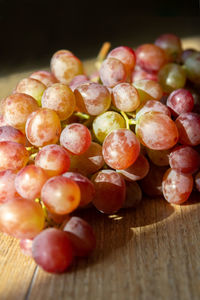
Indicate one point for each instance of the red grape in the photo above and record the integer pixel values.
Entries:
(152, 105)
(148, 89)
(171, 44)
(180, 101)
(197, 181)
(7, 186)
(9, 133)
(78, 80)
(45, 77)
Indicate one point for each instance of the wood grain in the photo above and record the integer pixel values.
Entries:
(147, 253)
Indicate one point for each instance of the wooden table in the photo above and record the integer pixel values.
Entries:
(152, 252)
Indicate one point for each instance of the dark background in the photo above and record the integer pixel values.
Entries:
(31, 31)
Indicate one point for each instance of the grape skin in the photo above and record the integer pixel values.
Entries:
(9, 133)
(148, 90)
(171, 44)
(180, 101)
(197, 181)
(7, 186)
(152, 105)
(45, 77)
(125, 97)
(159, 157)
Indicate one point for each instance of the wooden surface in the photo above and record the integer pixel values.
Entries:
(152, 252)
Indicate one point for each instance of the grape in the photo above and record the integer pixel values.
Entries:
(52, 250)
(186, 53)
(17, 108)
(126, 55)
(188, 125)
(180, 101)
(133, 195)
(78, 80)
(75, 138)
(60, 195)
(29, 182)
(152, 183)
(192, 66)
(21, 218)
(156, 131)
(86, 187)
(53, 159)
(125, 97)
(171, 77)
(159, 157)
(197, 181)
(140, 74)
(107, 122)
(110, 191)
(171, 44)
(31, 87)
(9, 133)
(26, 246)
(152, 105)
(148, 89)
(184, 159)
(2, 121)
(89, 162)
(138, 170)
(150, 57)
(92, 98)
(65, 66)
(81, 236)
(120, 149)
(7, 186)
(112, 72)
(14, 156)
(176, 186)
(45, 77)
(61, 99)
(43, 127)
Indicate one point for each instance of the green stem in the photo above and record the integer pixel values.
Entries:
(126, 119)
(82, 115)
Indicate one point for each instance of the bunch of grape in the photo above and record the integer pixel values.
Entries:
(69, 141)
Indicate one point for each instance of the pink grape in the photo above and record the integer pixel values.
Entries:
(75, 138)
(92, 98)
(45, 77)
(78, 80)
(180, 101)
(86, 187)
(53, 159)
(60, 195)
(171, 44)
(176, 186)
(184, 159)
(152, 105)
(157, 131)
(43, 127)
(7, 186)
(120, 149)
(140, 74)
(26, 246)
(21, 218)
(14, 156)
(148, 90)
(52, 250)
(29, 182)
(81, 235)
(188, 125)
(9, 133)
(110, 191)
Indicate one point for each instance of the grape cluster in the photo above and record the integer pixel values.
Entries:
(69, 141)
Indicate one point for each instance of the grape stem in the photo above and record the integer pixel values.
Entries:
(127, 120)
(82, 115)
(102, 54)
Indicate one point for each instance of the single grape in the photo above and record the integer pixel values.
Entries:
(180, 101)
(31, 87)
(81, 236)
(148, 90)
(7, 186)
(138, 170)
(120, 149)
(11, 134)
(107, 122)
(43, 127)
(125, 97)
(176, 186)
(159, 157)
(29, 182)
(133, 195)
(14, 156)
(192, 66)
(197, 181)
(52, 250)
(126, 55)
(112, 72)
(184, 159)
(21, 218)
(65, 66)
(140, 74)
(17, 108)
(150, 57)
(45, 77)
(152, 105)
(26, 246)
(60, 195)
(156, 131)
(110, 191)
(171, 44)
(86, 187)
(53, 159)
(171, 77)
(61, 99)
(78, 80)
(89, 162)
(75, 138)
(92, 98)
(186, 53)
(188, 125)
